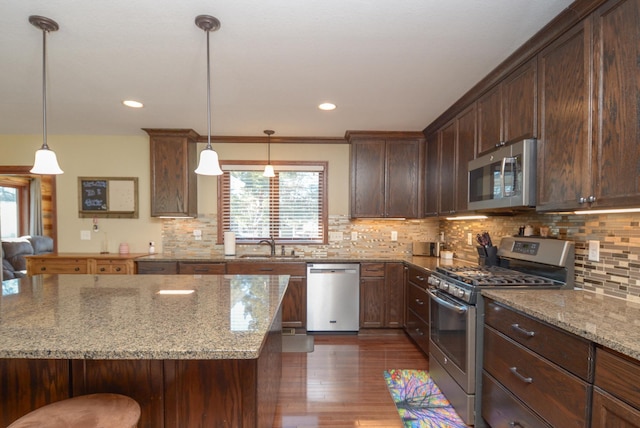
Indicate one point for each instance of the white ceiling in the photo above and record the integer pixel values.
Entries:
(388, 64)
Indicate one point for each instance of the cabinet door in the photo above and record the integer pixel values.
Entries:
(372, 291)
(519, 101)
(616, 35)
(394, 291)
(466, 150)
(173, 180)
(432, 176)
(294, 304)
(490, 120)
(564, 170)
(402, 189)
(367, 178)
(609, 412)
(447, 169)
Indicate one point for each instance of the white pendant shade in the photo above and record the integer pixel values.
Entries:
(208, 164)
(46, 162)
(268, 171)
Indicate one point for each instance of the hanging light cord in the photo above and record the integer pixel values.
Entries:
(208, 95)
(44, 88)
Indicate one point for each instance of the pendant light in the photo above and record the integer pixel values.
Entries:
(268, 170)
(46, 161)
(209, 164)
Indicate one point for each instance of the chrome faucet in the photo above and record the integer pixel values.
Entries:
(272, 244)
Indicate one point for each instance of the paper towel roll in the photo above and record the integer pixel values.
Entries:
(229, 244)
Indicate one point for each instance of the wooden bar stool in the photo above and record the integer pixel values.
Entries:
(84, 411)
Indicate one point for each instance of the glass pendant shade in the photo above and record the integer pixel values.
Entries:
(46, 162)
(209, 164)
(268, 171)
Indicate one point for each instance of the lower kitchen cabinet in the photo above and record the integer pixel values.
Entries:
(417, 307)
(147, 267)
(616, 395)
(201, 268)
(294, 302)
(381, 295)
(534, 371)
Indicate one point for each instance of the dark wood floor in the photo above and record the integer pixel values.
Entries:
(341, 383)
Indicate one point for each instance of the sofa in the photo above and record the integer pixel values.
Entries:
(14, 250)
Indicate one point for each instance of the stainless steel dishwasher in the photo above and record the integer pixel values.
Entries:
(333, 297)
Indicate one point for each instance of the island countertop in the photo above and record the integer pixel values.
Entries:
(608, 321)
(125, 317)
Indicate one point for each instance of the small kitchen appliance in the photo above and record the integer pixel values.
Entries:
(457, 311)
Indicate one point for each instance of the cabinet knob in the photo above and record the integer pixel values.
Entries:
(582, 200)
(102, 269)
(118, 269)
(43, 268)
(76, 269)
(591, 199)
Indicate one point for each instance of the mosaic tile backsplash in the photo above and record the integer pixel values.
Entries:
(616, 274)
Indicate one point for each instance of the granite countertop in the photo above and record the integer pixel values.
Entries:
(608, 321)
(124, 317)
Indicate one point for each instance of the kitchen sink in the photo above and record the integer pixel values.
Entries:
(267, 257)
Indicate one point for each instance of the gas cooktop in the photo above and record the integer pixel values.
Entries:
(485, 276)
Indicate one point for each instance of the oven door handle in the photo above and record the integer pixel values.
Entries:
(461, 309)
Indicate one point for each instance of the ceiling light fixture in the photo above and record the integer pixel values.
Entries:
(327, 106)
(133, 103)
(209, 164)
(268, 170)
(46, 161)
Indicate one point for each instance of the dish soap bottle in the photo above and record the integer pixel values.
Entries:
(152, 248)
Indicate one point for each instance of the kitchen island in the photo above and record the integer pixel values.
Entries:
(205, 354)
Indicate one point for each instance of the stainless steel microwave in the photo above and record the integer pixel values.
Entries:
(505, 178)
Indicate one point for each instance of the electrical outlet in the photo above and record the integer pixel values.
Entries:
(441, 236)
(469, 239)
(85, 235)
(335, 236)
(197, 234)
(594, 251)
(394, 235)
(354, 236)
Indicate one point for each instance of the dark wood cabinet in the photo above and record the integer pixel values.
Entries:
(174, 157)
(507, 112)
(447, 169)
(417, 307)
(386, 174)
(148, 267)
(432, 175)
(534, 364)
(465, 151)
(381, 295)
(201, 268)
(564, 170)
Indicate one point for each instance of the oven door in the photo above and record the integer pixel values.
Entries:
(452, 338)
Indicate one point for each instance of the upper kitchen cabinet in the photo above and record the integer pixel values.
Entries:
(173, 180)
(448, 154)
(564, 147)
(507, 112)
(386, 174)
(582, 167)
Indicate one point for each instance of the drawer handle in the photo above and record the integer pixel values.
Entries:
(420, 278)
(201, 270)
(517, 327)
(76, 269)
(266, 269)
(514, 370)
(43, 268)
(419, 332)
(101, 269)
(118, 269)
(515, 424)
(420, 302)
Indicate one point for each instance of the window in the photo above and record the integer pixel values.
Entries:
(290, 207)
(14, 206)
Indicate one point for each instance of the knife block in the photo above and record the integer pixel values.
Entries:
(487, 256)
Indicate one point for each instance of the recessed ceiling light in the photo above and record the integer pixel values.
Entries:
(133, 104)
(327, 106)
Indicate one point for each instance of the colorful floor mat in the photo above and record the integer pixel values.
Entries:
(419, 400)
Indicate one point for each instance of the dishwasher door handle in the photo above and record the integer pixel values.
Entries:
(330, 271)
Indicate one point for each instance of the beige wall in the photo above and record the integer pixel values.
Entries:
(128, 156)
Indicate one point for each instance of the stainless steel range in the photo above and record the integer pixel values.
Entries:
(457, 311)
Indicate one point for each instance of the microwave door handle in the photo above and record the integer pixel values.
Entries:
(502, 180)
(512, 162)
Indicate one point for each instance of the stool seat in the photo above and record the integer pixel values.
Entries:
(84, 411)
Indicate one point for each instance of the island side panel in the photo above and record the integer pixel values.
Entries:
(29, 384)
(141, 380)
(270, 375)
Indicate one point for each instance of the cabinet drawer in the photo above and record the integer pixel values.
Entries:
(116, 267)
(157, 268)
(555, 394)
(418, 330)
(563, 348)
(418, 301)
(59, 266)
(201, 268)
(418, 277)
(258, 268)
(501, 409)
(372, 269)
(619, 376)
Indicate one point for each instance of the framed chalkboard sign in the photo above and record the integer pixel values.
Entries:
(109, 197)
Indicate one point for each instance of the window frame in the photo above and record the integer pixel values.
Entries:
(324, 217)
(22, 186)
